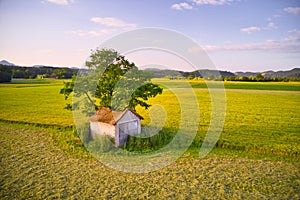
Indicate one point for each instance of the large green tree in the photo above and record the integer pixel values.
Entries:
(111, 81)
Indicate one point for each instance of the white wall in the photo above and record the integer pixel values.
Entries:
(98, 128)
(128, 123)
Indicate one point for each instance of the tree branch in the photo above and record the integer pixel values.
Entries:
(88, 96)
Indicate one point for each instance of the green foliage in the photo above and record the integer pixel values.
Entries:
(219, 75)
(119, 83)
(67, 90)
(38, 72)
(84, 133)
(257, 78)
(148, 144)
(100, 144)
(5, 77)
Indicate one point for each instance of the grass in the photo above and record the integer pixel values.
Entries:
(34, 103)
(33, 168)
(264, 122)
(268, 124)
(257, 155)
(36, 81)
(287, 86)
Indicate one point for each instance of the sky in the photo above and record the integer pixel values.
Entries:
(237, 35)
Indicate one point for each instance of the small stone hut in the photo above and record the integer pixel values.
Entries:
(117, 125)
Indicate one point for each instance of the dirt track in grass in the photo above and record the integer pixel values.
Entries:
(33, 167)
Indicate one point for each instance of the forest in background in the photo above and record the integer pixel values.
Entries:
(9, 72)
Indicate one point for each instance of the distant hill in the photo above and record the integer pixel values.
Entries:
(159, 73)
(5, 62)
(294, 73)
(66, 72)
(246, 73)
(208, 72)
(38, 66)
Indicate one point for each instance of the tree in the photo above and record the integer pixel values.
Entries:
(259, 77)
(5, 77)
(119, 83)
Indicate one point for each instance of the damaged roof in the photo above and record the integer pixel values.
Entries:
(106, 115)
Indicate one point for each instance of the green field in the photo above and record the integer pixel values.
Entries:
(38, 103)
(292, 86)
(257, 155)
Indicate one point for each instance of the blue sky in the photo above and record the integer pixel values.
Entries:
(238, 35)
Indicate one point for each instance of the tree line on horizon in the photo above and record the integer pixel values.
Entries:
(7, 73)
(10, 72)
(258, 78)
(218, 75)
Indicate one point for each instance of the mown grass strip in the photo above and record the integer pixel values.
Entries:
(33, 168)
(52, 126)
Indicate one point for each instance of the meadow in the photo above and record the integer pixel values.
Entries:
(36, 102)
(289, 86)
(256, 157)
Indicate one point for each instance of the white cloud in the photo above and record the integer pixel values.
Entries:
(187, 6)
(290, 44)
(61, 2)
(291, 38)
(212, 2)
(270, 26)
(293, 10)
(112, 22)
(181, 6)
(250, 29)
(294, 36)
(92, 33)
(273, 17)
(295, 31)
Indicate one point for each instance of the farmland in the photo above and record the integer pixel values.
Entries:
(37, 102)
(257, 155)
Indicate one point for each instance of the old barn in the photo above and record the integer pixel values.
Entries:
(114, 124)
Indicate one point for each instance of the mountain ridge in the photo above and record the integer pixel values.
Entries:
(159, 73)
(7, 63)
